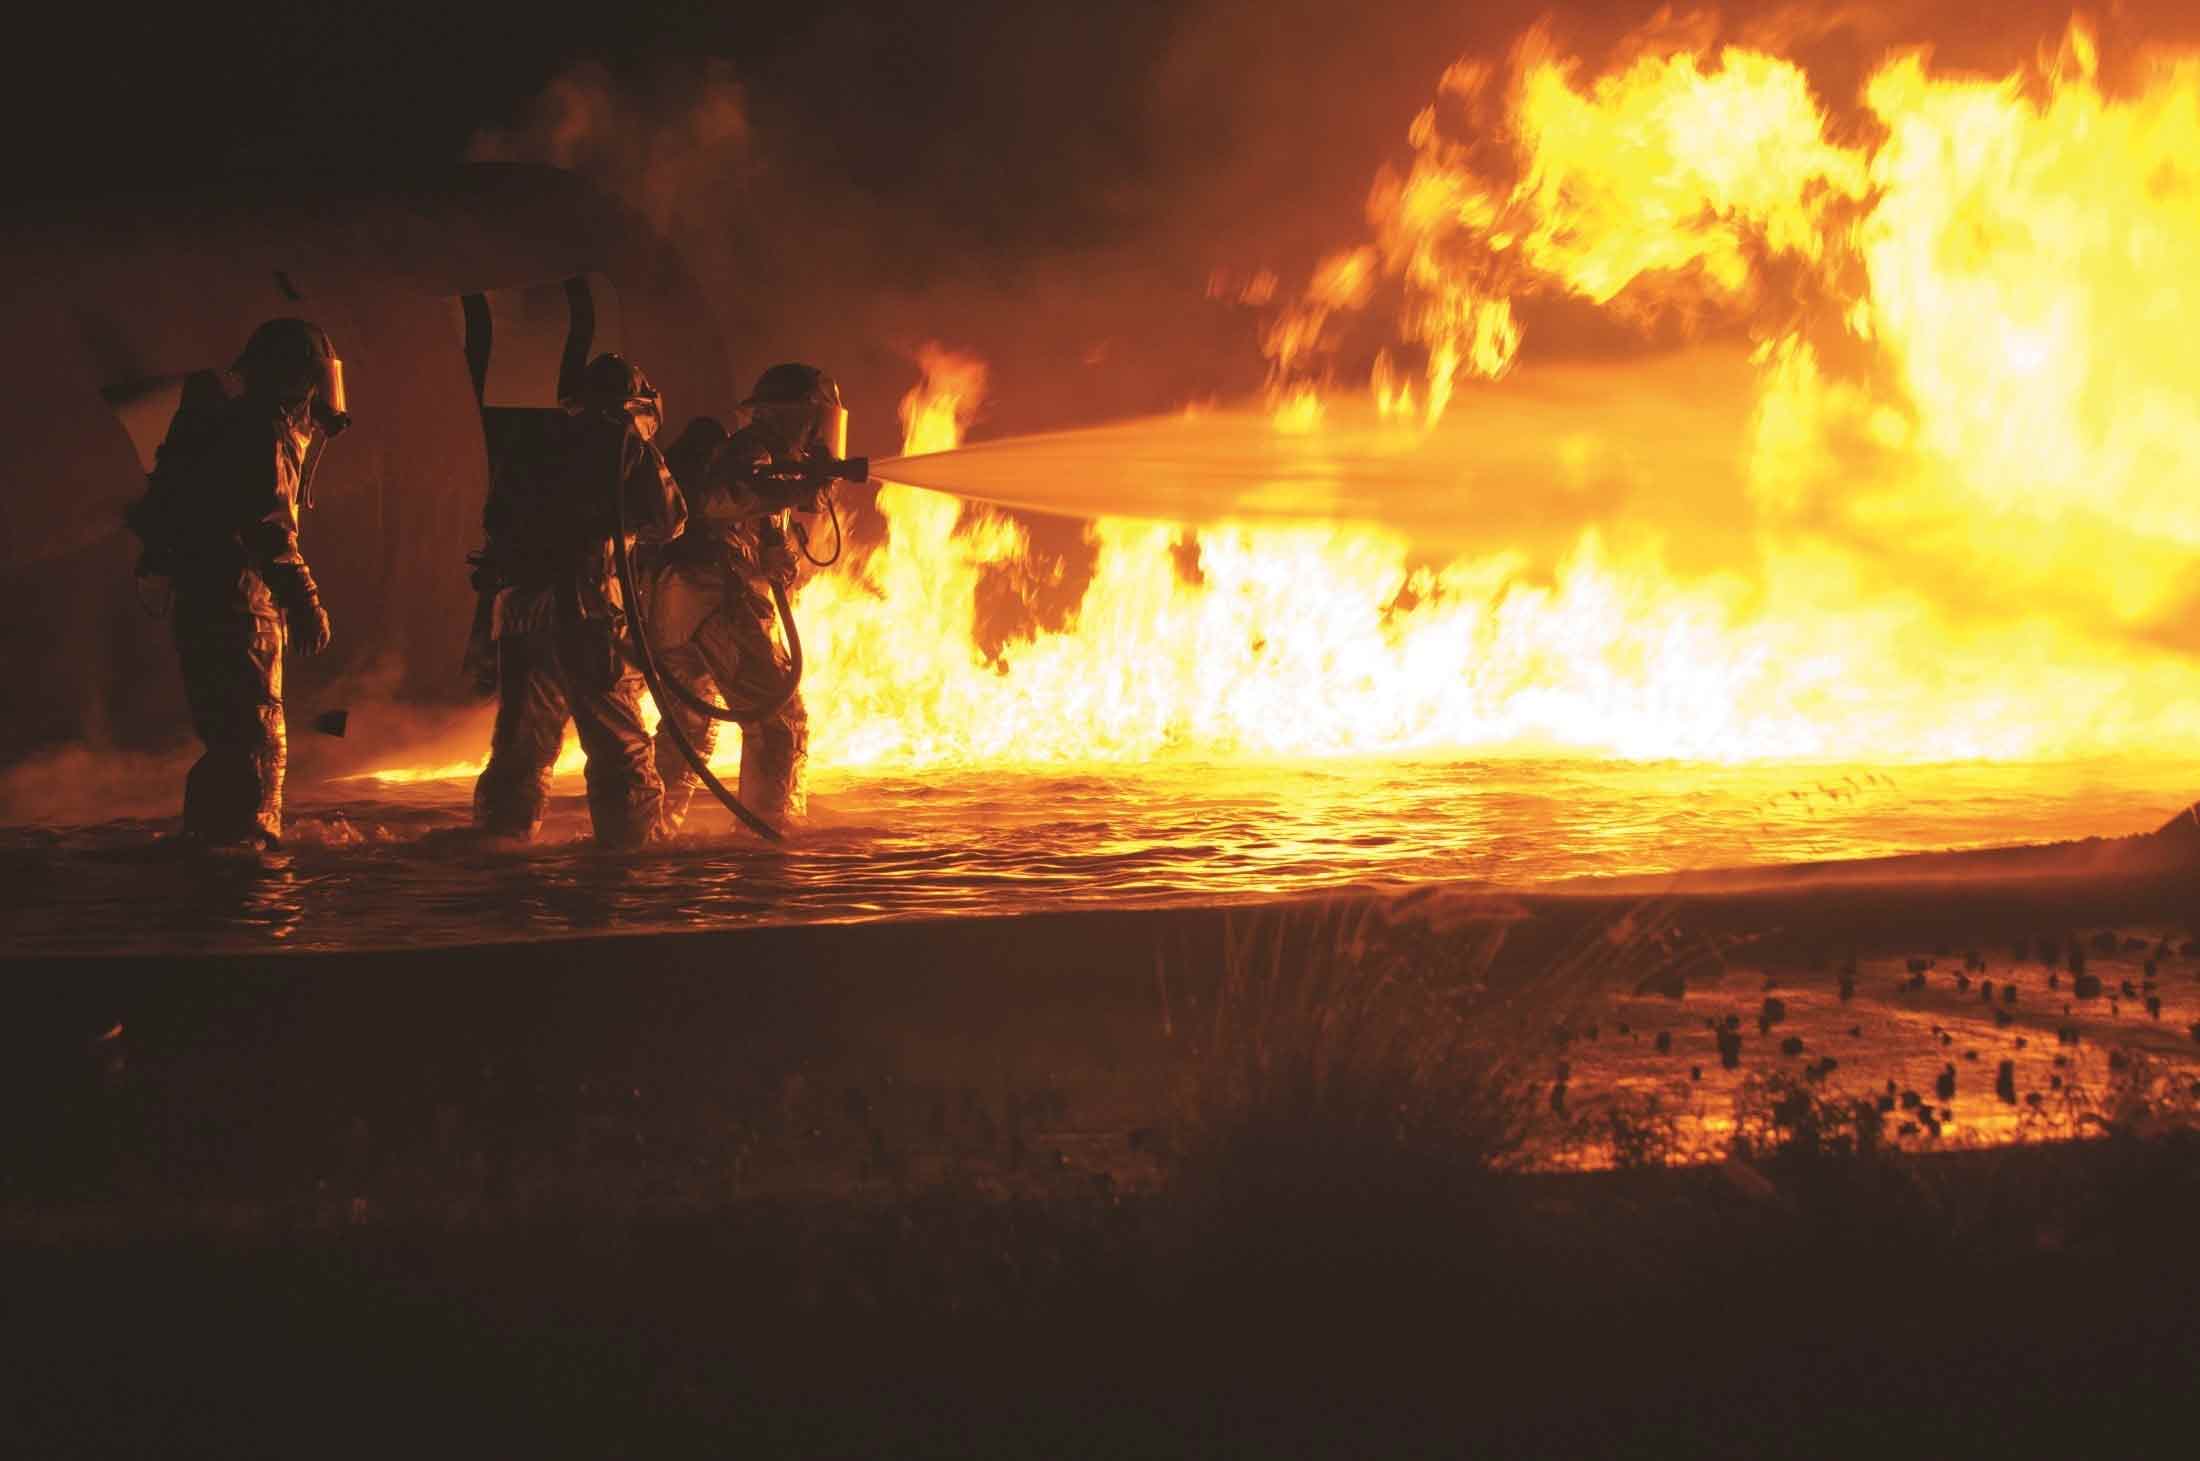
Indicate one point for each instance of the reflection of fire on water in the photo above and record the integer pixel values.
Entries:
(1959, 517)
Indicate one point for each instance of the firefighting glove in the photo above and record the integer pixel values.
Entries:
(309, 625)
(776, 560)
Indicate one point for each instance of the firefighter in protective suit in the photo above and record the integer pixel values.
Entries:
(560, 623)
(711, 610)
(220, 521)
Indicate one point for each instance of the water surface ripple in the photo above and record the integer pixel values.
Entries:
(375, 866)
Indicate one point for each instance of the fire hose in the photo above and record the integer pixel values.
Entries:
(667, 688)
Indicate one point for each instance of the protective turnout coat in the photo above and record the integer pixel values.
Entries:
(220, 514)
(560, 626)
(711, 616)
(220, 521)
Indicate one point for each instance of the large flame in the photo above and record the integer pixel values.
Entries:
(1965, 471)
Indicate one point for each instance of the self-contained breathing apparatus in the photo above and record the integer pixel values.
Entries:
(801, 407)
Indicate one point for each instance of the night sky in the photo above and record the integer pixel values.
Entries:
(180, 93)
(183, 93)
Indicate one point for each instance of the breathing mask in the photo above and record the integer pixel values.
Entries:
(804, 406)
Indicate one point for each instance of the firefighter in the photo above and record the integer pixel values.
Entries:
(220, 521)
(711, 606)
(559, 620)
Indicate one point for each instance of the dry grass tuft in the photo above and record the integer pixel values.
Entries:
(1346, 1112)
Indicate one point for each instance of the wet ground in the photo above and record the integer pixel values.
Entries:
(371, 865)
(1952, 1046)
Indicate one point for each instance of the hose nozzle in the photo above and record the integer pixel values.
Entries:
(802, 483)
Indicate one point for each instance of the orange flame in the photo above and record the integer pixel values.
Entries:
(1963, 472)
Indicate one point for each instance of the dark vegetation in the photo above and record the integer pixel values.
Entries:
(1816, 1297)
(1336, 1246)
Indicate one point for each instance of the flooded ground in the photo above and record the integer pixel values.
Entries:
(371, 865)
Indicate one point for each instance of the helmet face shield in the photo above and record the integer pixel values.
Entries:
(292, 359)
(331, 409)
(801, 406)
(790, 424)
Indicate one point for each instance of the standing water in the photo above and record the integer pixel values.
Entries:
(382, 866)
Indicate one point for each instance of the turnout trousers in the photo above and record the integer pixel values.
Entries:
(713, 631)
(569, 671)
(233, 680)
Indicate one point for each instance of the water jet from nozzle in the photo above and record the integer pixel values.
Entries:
(1522, 463)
